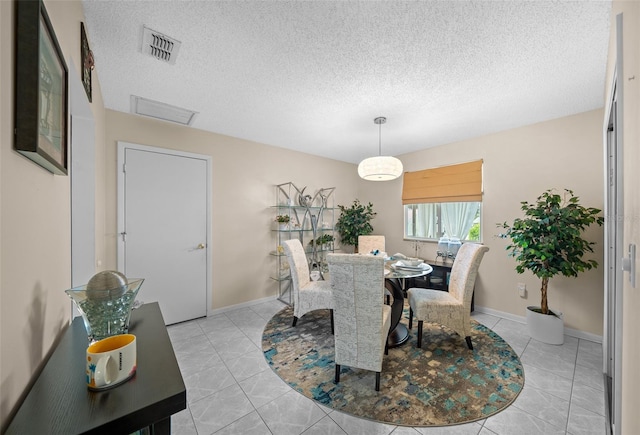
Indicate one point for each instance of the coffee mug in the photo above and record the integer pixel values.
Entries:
(111, 361)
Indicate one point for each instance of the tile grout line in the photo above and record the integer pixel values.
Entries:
(573, 382)
(289, 388)
(237, 383)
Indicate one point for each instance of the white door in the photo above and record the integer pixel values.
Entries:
(163, 227)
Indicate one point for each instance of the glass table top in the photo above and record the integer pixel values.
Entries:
(393, 271)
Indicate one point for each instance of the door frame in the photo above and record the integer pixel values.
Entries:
(614, 242)
(122, 147)
(82, 185)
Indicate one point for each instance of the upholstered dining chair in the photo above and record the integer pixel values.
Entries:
(307, 295)
(451, 309)
(367, 244)
(362, 320)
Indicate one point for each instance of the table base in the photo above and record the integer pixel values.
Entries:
(398, 336)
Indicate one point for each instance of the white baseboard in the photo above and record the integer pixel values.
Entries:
(584, 335)
(522, 319)
(501, 314)
(213, 312)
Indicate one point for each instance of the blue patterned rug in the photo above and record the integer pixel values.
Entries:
(444, 383)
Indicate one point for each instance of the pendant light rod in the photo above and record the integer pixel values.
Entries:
(380, 120)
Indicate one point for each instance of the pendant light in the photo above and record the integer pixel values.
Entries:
(380, 168)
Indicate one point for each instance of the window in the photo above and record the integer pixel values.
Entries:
(445, 200)
(433, 220)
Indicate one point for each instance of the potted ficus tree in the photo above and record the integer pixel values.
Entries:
(548, 241)
(354, 221)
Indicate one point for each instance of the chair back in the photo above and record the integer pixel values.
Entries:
(465, 270)
(357, 282)
(298, 266)
(366, 244)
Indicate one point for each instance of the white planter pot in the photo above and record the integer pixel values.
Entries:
(544, 327)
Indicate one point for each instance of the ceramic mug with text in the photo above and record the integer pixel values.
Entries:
(111, 361)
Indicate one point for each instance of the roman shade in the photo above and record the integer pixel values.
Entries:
(453, 183)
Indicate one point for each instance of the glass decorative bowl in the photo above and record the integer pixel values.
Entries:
(106, 311)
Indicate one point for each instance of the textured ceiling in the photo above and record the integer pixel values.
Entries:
(312, 75)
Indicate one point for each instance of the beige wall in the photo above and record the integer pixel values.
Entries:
(244, 178)
(35, 226)
(631, 115)
(519, 165)
(35, 221)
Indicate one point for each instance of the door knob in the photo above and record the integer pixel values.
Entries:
(201, 246)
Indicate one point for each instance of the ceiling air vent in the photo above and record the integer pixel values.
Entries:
(158, 110)
(160, 46)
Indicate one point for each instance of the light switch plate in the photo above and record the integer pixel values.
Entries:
(522, 290)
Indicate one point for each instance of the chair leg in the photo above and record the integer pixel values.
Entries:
(377, 381)
(386, 347)
(420, 334)
(388, 300)
(295, 320)
(410, 318)
(468, 339)
(337, 378)
(332, 326)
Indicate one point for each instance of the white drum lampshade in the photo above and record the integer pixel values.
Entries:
(380, 168)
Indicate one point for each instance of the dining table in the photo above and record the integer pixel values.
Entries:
(395, 275)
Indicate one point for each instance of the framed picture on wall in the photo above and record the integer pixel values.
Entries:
(87, 61)
(41, 100)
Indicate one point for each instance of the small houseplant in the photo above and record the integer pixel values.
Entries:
(322, 240)
(354, 221)
(548, 241)
(283, 221)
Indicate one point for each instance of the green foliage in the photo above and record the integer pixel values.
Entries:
(354, 221)
(548, 240)
(474, 232)
(323, 239)
(283, 218)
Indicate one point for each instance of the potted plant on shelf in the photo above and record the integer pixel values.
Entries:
(548, 241)
(283, 221)
(354, 221)
(322, 242)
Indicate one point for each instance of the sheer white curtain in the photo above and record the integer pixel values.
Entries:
(457, 218)
(426, 219)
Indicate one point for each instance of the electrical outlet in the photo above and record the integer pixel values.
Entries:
(522, 290)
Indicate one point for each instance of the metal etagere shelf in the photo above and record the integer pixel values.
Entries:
(312, 221)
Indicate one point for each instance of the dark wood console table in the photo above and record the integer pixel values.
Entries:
(60, 402)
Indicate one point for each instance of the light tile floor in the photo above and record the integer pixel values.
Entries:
(232, 390)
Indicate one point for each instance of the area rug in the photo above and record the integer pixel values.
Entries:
(444, 383)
